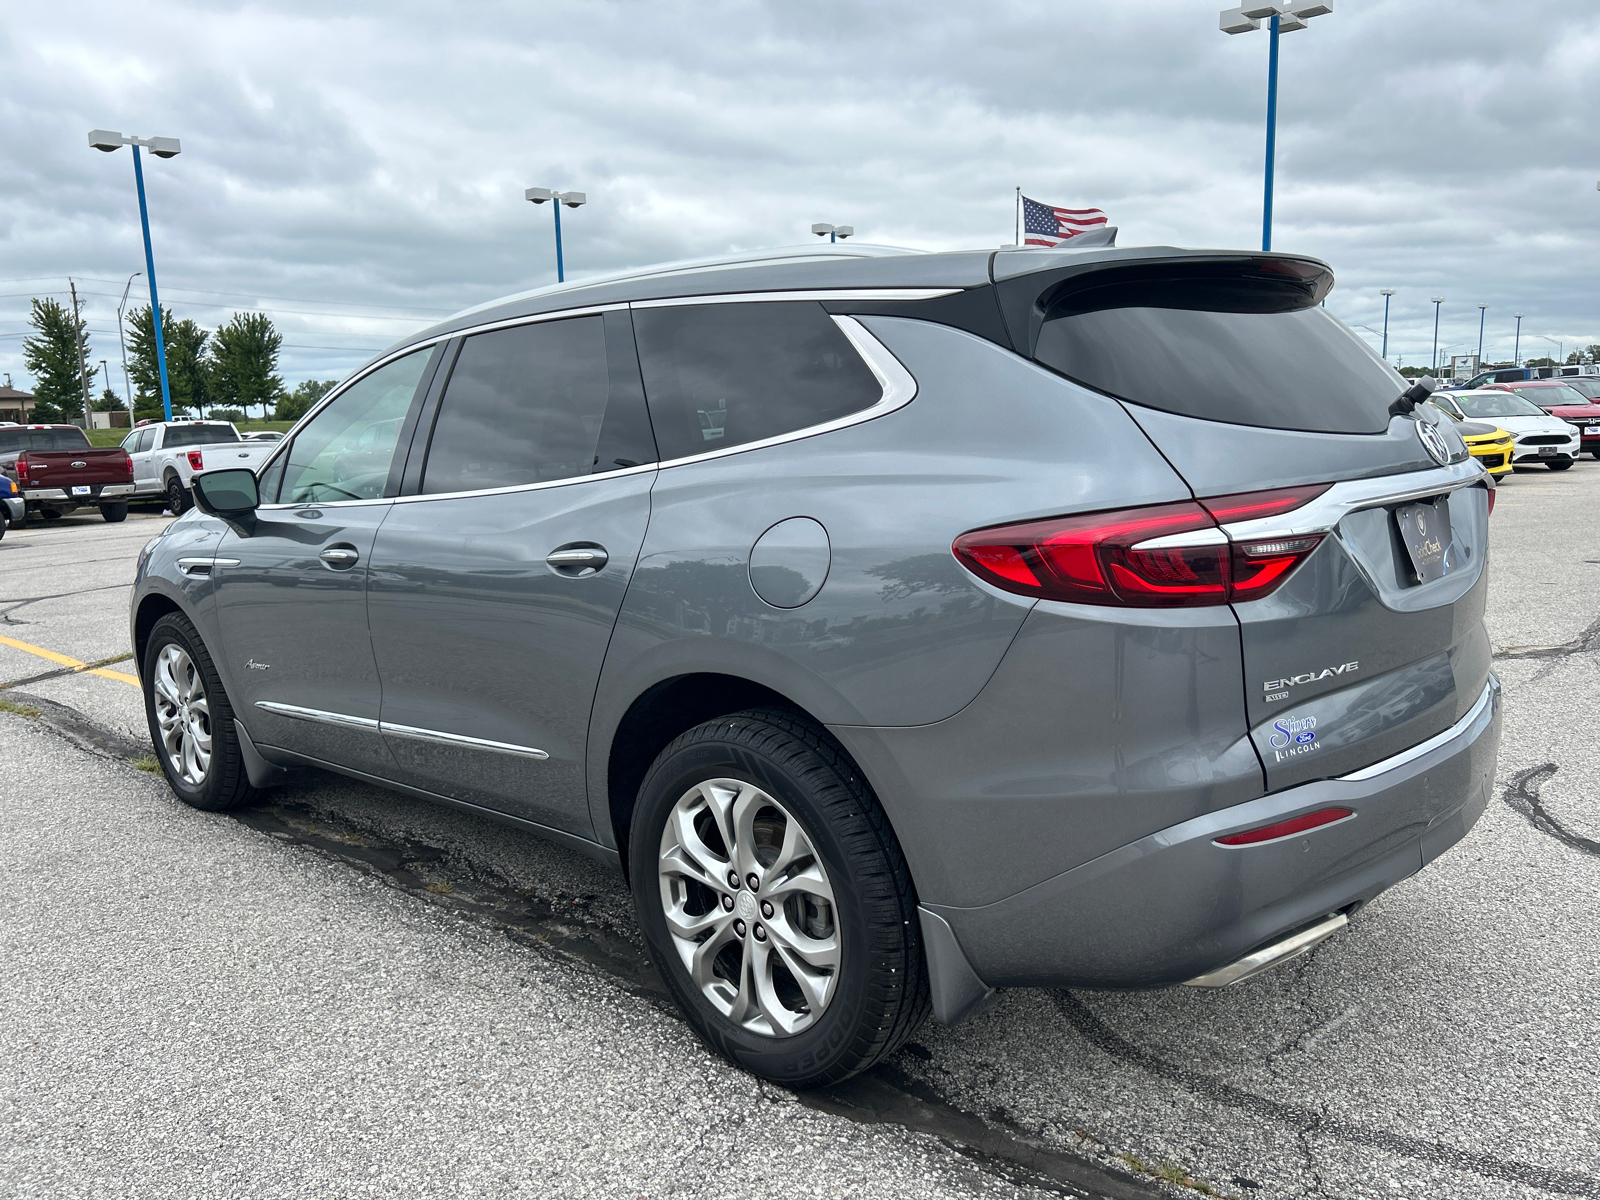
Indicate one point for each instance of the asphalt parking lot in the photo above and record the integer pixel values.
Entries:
(351, 993)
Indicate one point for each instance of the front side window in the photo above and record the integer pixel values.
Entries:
(523, 405)
(720, 375)
(345, 451)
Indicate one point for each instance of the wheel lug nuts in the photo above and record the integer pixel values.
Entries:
(738, 927)
(727, 903)
(753, 881)
(761, 934)
(733, 880)
(766, 909)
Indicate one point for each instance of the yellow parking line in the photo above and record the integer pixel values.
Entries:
(63, 660)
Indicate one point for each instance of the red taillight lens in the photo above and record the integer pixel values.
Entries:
(1283, 829)
(195, 460)
(1118, 558)
(127, 463)
(22, 469)
(1491, 498)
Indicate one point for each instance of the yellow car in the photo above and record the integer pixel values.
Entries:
(1487, 443)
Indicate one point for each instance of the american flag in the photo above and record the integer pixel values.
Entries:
(1047, 225)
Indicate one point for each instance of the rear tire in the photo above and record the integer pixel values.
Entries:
(842, 910)
(191, 720)
(114, 512)
(1555, 465)
(177, 496)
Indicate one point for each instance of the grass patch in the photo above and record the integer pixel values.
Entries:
(1133, 1161)
(20, 710)
(443, 888)
(1171, 1172)
(148, 763)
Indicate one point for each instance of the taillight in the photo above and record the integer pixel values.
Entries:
(127, 463)
(1165, 556)
(195, 460)
(1491, 498)
(1283, 829)
(22, 469)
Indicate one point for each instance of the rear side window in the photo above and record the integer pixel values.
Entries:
(523, 405)
(720, 375)
(1225, 342)
(42, 439)
(198, 435)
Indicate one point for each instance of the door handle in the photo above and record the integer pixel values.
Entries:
(340, 558)
(577, 561)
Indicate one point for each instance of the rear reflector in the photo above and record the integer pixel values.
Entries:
(1164, 556)
(1283, 829)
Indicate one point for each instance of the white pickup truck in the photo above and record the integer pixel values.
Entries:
(167, 454)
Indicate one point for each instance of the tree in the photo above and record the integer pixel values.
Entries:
(304, 397)
(188, 378)
(244, 362)
(108, 401)
(52, 356)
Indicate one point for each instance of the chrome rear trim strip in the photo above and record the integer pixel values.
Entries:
(1352, 495)
(456, 739)
(316, 715)
(1433, 743)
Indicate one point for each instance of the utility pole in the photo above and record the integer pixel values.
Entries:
(77, 329)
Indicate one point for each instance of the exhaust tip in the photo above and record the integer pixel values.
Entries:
(1267, 957)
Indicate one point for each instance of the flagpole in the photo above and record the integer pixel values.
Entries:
(1018, 234)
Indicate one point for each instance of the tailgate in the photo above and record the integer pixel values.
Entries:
(78, 468)
(219, 455)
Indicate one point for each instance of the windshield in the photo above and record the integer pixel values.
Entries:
(1243, 344)
(1551, 396)
(198, 435)
(42, 439)
(1497, 404)
(1588, 387)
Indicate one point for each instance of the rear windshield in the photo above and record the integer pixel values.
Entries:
(198, 435)
(42, 439)
(1243, 343)
(1550, 396)
(1497, 404)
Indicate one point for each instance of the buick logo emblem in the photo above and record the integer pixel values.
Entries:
(1422, 523)
(1433, 442)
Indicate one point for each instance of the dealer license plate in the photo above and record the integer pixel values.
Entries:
(1425, 529)
(1591, 431)
(1547, 451)
(81, 491)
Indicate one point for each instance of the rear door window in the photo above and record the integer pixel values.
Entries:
(1224, 342)
(721, 375)
(523, 405)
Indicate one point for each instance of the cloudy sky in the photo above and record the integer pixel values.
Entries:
(359, 175)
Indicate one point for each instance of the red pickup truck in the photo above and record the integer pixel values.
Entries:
(57, 471)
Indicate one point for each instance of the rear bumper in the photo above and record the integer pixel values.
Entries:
(1175, 905)
(96, 493)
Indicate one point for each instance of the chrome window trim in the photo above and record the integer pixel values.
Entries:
(1352, 495)
(325, 504)
(316, 715)
(898, 384)
(415, 733)
(810, 294)
(641, 469)
(1461, 727)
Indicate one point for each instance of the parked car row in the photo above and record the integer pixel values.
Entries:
(1544, 422)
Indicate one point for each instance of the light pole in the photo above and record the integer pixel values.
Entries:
(162, 147)
(1561, 349)
(1516, 346)
(1483, 311)
(571, 200)
(834, 232)
(1386, 293)
(1286, 18)
(127, 388)
(1437, 301)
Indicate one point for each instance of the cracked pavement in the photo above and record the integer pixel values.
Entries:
(224, 1011)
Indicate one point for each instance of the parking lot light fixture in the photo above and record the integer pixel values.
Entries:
(1284, 18)
(1561, 348)
(1386, 293)
(1437, 301)
(834, 233)
(1516, 347)
(539, 195)
(162, 147)
(1483, 310)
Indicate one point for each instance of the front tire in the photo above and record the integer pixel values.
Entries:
(114, 512)
(775, 900)
(191, 720)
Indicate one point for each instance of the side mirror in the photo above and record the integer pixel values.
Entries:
(228, 493)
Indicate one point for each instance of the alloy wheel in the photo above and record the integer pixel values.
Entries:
(183, 714)
(749, 907)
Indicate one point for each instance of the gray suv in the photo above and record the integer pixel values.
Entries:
(903, 626)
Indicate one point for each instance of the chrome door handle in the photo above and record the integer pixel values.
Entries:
(577, 560)
(340, 557)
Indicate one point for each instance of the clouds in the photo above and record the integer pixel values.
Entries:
(378, 156)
